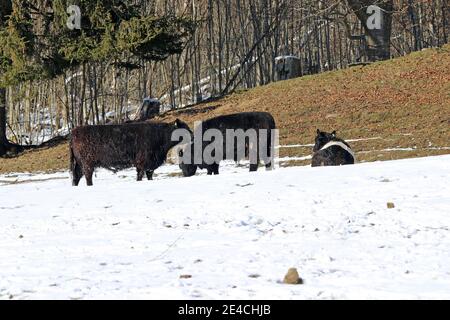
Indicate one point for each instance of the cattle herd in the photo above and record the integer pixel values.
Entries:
(145, 145)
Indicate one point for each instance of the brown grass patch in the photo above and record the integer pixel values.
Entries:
(44, 160)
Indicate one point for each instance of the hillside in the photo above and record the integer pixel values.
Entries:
(394, 109)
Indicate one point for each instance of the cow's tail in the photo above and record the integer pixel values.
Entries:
(73, 160)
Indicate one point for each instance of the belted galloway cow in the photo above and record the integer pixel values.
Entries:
(329, 150)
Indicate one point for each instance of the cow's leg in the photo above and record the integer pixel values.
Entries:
(213, 169)
(88, 172)
(254, 166)
(253, 153)
(140, 165)
(270, 164)
(77, 174)
(140, 174)
(149, 174)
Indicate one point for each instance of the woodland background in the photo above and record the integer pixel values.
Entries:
(181, 52)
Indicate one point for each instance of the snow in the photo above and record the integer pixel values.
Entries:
(287, 57)
(151, 100)
(236, 234)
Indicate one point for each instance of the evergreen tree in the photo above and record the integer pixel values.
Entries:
(38, 44)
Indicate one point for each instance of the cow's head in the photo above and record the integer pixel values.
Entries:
(178, 124)
(186, 162)
(322, 139)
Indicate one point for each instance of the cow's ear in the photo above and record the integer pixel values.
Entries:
(178, 123)
(318, 131)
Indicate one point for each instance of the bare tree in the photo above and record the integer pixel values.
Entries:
(378, 37)
(234, 47)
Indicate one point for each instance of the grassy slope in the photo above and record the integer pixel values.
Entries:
(404, 101)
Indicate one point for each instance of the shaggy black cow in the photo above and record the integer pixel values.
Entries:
(244, 121)
(117, 147)
(330, 150)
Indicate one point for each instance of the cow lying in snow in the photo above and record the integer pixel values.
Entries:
(117, 147)
(330, 150)
(256, 121)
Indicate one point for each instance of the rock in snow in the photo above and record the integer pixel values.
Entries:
(292, 277)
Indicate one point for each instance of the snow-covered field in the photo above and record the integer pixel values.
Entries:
(231, 236)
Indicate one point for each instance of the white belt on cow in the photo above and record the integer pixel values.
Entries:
(340, 144)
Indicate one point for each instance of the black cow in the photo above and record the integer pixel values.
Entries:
(117, 147)
(244, 121)
(329, 150)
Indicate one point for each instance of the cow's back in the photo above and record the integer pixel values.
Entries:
(244, 121)
(116, 146)
(240, 121)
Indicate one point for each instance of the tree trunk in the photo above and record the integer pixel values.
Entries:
(378, 39)
(4, 143)
(415, 27)
(5, 11)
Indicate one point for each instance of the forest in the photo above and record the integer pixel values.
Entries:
(54, 78)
